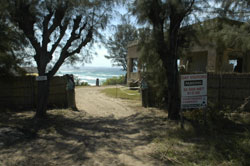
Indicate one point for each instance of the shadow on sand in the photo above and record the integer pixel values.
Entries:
(68, 137)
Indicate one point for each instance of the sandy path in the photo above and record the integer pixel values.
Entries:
(97, 104)
(105, 132)
(128, 144)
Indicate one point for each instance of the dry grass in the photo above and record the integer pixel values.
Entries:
(220, 142)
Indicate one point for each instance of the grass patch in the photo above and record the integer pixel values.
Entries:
(221, 142)
(122, 93)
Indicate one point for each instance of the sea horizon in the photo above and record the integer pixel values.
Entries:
(89, 74)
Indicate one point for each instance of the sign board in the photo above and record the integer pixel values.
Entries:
(193, 91)
(41, 78)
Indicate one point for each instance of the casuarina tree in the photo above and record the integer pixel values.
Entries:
(12, 45)
(58, 30)
(166, 17)
(235, 34)
(117, 44)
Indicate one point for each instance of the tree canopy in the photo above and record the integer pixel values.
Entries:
(117, 44)
(58, 31)
(166, 19)
(12, 45)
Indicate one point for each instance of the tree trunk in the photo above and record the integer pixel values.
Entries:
(42, 100)
(172, 72)
(125, 79)
(168, 55)
(173, 95)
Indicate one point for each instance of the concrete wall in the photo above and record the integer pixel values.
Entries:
(132, 51)
(211, 60)
(21, 92)
(204, 54)
(132, 54)
(197, 62)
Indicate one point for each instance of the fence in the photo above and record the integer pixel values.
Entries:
(228, 89)
(224, 89)
(21, 92)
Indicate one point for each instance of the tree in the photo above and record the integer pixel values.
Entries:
(233, 9)
(11, 54)
(153, 69)
(12, 45)
(235, 35)
(166, 19)
(58, 29)
(117, 44)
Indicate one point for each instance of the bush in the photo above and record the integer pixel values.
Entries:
(79, 83)
(220, 142)
(114, 80)
(84, 84)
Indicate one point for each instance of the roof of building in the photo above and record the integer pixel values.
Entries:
(30, 69)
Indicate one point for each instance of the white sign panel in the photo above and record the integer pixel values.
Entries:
(41, 78)
(193, 91)
(193, 102)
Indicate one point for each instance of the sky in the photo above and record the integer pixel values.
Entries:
(99, 60)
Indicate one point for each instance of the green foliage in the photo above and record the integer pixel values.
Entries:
(233, 9)
(12, 45)
(58, 31)
(114, 81)
(153, 68)
(79, 83)
(84, 84)
(117, 44)
(234, 27)
(61, 28)
(123, 93)
(166, 19)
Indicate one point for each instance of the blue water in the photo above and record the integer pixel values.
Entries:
(90, 74)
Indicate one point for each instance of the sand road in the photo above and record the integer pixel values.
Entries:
(105, 132)
(127, 141)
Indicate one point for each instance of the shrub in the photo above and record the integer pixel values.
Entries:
(79, 83)
(114, 80)
(84, 84)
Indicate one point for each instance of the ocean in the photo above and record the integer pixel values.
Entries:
(90, 74)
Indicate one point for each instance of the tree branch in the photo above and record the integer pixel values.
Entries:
(26, 22)
(64, 54)
(189, 9)
(62, 33)
(84, 43)
(56, 66)
(46, 33)
(73, 35)
(57, 21)
(59, 15)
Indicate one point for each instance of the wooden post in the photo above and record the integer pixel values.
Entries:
(182, 119)
(116, 88)
(205, 115)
